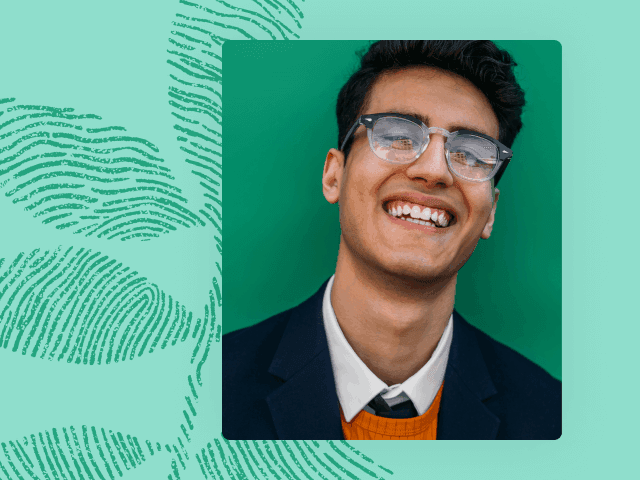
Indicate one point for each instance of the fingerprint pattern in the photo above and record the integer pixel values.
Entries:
(90, 452)
(291, 460)
(84, 452)
(70, 171)
(195, 94)
(81, 306)
(77, 305)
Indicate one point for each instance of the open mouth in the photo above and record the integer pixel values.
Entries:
(419, 214)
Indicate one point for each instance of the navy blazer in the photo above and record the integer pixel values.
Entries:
(277, 384)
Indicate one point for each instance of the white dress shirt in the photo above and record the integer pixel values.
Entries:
(356, 385)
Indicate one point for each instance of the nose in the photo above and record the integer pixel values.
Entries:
(432, 166)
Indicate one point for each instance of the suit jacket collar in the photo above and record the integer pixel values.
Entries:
(467, 385)
(306, 405)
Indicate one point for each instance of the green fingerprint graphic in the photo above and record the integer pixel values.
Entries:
(70, 172)
(84, 452)
(87, 308)
(90, 452)
(83, 307)
(195, 94)
(290, 460)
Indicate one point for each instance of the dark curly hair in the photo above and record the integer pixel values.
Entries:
(479, 61)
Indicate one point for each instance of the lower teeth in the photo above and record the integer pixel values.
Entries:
(421, 222)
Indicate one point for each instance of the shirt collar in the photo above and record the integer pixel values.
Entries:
(356, 385)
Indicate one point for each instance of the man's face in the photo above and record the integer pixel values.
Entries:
(367, 187)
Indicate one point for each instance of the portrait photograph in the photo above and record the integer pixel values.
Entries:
(379, 289)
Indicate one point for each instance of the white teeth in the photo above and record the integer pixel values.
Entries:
(428, 216)
(421, 222)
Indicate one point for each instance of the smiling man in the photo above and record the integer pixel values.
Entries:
(379, 352)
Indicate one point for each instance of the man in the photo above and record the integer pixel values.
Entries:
(378, 352)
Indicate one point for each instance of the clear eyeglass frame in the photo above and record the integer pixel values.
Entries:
(503, 152)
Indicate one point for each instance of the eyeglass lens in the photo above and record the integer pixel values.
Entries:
(398, 140)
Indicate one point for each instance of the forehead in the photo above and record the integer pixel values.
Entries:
(444, 99)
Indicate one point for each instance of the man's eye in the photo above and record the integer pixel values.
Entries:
(485, 162)
(470, 160)
(464, 158)
(401, 143)
(459, 157)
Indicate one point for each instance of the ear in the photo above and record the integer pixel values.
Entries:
(332, 175)
(486, 232)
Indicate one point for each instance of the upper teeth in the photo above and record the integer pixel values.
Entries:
(418, 215)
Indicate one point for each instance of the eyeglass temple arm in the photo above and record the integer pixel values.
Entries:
(355, 125)
(505, 155)
(501, 170)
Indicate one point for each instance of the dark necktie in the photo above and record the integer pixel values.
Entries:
(402, 410)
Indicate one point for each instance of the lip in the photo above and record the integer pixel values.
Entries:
(424, 200)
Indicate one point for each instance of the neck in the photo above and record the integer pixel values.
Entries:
(393, 323)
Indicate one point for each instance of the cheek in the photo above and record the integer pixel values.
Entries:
(479, 204)
(362, 185)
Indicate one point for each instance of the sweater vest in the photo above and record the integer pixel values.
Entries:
(367, 426)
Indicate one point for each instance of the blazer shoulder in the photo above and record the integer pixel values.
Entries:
(246, 356)
(514, 366)
(256, 341)
(530, 399)
(261, 340)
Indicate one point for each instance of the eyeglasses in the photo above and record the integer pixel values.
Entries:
(401, 139)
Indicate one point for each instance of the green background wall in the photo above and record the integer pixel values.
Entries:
(282, 239)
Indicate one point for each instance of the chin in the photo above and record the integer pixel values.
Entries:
(417, 270)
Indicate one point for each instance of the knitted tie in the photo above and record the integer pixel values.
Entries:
(401, 410)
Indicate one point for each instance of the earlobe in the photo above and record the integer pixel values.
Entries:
(332, 175)
(486, 232)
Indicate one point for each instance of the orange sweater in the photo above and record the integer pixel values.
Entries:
(366, 426)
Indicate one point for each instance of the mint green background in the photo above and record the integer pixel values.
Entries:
(109, 58)
(280, 122)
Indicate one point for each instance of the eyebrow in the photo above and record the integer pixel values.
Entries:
(425, 119)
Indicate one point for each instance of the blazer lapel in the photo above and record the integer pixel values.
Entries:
(463, 414)
(306, 405)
